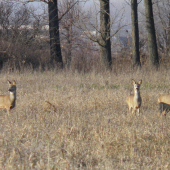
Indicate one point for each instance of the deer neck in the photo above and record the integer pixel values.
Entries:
(12, 96)
(136, 94)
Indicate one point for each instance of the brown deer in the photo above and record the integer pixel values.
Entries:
(8, 101)
(134, 100)
(164, 103)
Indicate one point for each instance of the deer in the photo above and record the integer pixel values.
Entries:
(134, 100)
(8, 101)
(164, 104)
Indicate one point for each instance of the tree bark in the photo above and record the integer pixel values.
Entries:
(152, 44)
(135, 34)
(105, 44)
(55, 48)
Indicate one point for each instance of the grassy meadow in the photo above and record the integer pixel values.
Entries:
(75, 121)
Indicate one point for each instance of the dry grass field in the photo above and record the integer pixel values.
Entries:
(80, 121)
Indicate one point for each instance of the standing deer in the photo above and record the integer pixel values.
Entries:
(134, 100)
(8, 101)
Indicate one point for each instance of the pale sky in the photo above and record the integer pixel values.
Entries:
(117, 3)
(115, 6)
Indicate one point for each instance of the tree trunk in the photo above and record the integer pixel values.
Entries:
(55, 48)
(135, 34)
(105, 44)
(68, 46)
(152, 44)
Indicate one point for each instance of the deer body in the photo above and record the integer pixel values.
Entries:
(8, 101)
(134, 101)
(164, 103)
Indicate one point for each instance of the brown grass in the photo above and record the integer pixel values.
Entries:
(81, 121)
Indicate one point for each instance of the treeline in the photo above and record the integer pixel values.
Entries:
(81, 40)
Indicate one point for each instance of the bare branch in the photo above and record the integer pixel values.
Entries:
(127, 2)
(139, 2)
(67, 10)
(130, 4)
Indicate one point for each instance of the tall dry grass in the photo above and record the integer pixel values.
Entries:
(74, 121)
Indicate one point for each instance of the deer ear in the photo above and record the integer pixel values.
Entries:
(140, 82)
(8, 82)
(14, 82)
(133, 81)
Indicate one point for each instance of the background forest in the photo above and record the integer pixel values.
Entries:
(25, 39)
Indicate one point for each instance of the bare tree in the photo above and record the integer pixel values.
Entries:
(105, 43)
(54, 31)
(6, 10)
(13, 17)
(99, 32)
(163, 25)
(70, 31)
(135, 33)
(55, 48)
(150, 26)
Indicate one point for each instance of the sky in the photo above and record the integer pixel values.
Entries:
(116, 3)
(116, 6)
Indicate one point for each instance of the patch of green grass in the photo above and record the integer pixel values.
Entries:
(148, 86)
(91, 86)
(58, 86)
(96, 86)
(102, 87)
(163, 86)
(81, 85)
(128, 86)
(114, 86)
(155, 86)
